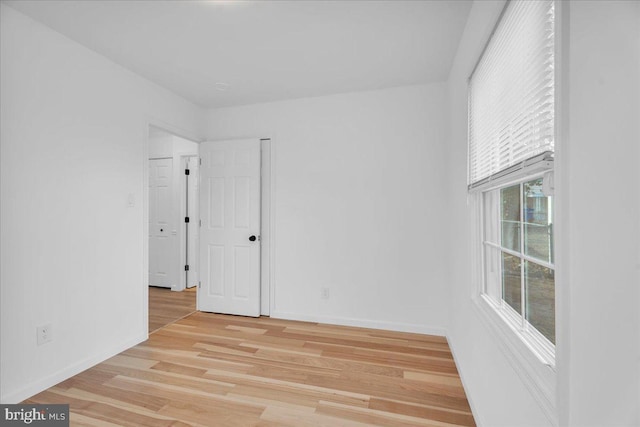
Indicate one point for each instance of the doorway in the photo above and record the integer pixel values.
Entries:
(172, 238)
(160, 137)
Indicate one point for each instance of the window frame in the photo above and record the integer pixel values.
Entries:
(537, 343)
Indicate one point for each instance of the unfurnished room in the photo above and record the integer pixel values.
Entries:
(320, 213)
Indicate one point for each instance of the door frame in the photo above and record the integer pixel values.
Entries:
(267, 194)
(182, 235)
(144, 133)
(267, 227)
(267, 223)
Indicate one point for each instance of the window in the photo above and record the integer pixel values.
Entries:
(511, 151)
(518, 258)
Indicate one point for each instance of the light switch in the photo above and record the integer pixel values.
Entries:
(131, 200)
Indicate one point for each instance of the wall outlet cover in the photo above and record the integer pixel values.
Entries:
(44, 333)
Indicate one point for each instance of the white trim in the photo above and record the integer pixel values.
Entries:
(272, 229)
(37, 386)
(537, 376)
(182, 281)
(470, 397)
(523, 273)
(145, 230)
(534, 340)
(266, 236)
(362, 323)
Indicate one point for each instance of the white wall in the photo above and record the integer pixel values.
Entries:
(168, 145)
(601, 372)
(358, 204)
(597, 272)
(160, 145)
(73, 145)
(174, 147)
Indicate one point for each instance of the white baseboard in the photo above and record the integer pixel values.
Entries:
(363, 323)
(474, 411)
(36, 387)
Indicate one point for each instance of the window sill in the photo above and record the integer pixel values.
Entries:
(535, 368)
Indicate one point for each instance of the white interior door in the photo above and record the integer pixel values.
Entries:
(192, 233)
(230, 231)
(160, 196)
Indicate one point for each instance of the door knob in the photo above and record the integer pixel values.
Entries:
(252, 238)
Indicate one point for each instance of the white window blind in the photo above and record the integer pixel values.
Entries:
(511, 93)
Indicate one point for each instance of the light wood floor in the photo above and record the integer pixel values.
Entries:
(217, 370)
(166, 307)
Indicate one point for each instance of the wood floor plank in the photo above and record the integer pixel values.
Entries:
(280, 417)
(374, 417)
(210, 369)
(193, 359)
(134, 398)
(259, 363)
(166, 306)
(422, 411)
(210, 415)
(101, 408)
(210, 385)
(78, 420)
(433, 378)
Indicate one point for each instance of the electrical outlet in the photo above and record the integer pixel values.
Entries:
(44, 333)
(324, 293)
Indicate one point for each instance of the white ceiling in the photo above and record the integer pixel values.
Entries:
(265, 50)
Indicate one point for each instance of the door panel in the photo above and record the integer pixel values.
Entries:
(230, 212)
(160, 196)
